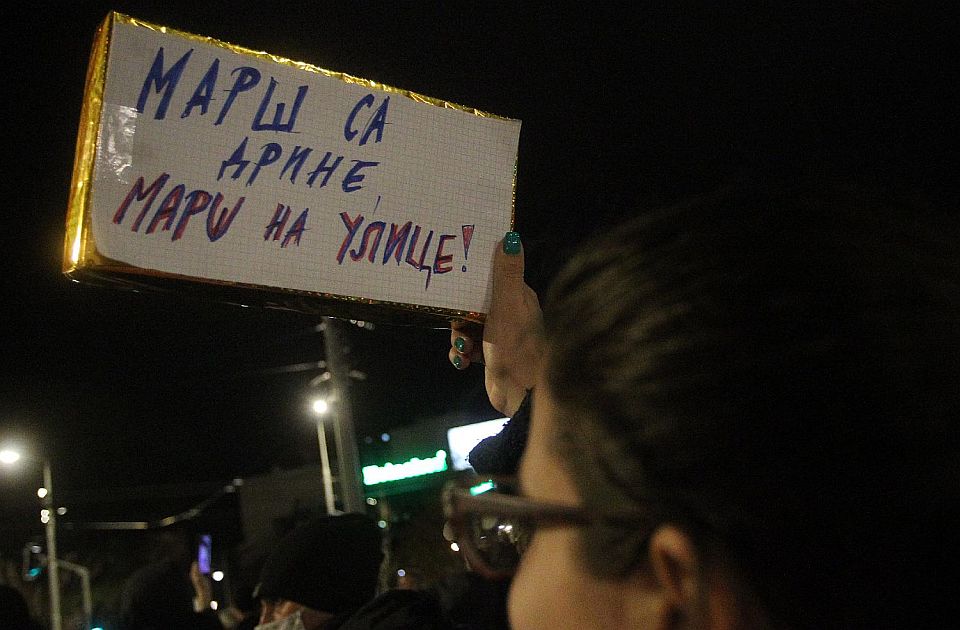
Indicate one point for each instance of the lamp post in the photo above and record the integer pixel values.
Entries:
(348, 457)
(320, 408)
(49, 517)
(53, 569)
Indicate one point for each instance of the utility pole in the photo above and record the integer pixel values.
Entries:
(348, 456)
(53, 569)
(328, 498)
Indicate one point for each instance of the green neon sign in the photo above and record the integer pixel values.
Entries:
(413, 467)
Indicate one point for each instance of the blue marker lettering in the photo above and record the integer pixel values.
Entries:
(161, 81)
(247, 78)
(279, 221)
(352, 225)
(350, 182)
(323, 167)
(296, 230)
(204, 93)
(277, 125)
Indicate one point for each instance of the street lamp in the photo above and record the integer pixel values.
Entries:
(49, 518)
(320, 407)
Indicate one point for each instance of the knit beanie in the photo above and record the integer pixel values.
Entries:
(330, 564)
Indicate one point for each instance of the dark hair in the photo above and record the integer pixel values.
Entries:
(329, 563)
(777, 371)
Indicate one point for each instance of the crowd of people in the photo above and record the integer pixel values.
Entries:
(736, 412)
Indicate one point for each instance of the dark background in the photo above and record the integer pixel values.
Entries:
(623, 108)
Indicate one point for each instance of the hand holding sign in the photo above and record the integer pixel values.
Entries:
(509, 343)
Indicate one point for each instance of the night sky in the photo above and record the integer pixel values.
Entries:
(621, 111)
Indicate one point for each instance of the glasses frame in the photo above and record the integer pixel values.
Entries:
(459, 503)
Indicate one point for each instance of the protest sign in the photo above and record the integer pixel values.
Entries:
(203, 164)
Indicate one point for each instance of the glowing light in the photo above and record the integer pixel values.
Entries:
(455, 546)
(44, 518)
(384, 437)
(9, 457)
(382, 524)
(41, 492)
(371, 501)
(480, 488)
(217, 576)
(320, 406)
(61, 511)
(401, 572)
(214, 604)
(462, 439)
(414, 467)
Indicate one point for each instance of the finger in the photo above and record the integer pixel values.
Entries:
(449, 533)
(467, 339)
(459, 361)
(463, 324)
(467, 333)
(508, 268)
(462, 343)
(466, 328)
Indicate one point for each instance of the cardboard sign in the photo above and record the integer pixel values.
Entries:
(202, 162)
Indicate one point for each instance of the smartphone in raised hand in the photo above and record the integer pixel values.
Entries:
(204, 553)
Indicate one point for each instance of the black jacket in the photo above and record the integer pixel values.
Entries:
(461, 602)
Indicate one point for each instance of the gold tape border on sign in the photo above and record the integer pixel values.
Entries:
(84, 263)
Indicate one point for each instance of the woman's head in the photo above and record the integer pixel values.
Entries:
(770, 374)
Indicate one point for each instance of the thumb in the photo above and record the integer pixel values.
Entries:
(508, 267)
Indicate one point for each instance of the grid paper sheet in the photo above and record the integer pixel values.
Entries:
(220, 165)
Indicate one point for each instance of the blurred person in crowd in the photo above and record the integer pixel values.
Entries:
(320, 573)
(744, 415)
(243, 613)
(14, 611)
(168, 591)
(465, 600)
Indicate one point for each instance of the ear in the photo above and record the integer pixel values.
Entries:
(678, 575)
(691, 596)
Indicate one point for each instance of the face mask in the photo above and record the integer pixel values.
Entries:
(293, 622)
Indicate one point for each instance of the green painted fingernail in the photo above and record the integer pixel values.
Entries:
(511, 243)
(457, 362)
(460, 344)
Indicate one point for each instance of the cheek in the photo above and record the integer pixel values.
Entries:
(551, 591)
(537, 593)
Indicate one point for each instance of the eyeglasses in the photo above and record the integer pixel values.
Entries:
(493, 524)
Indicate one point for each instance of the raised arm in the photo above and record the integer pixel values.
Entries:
(509, 344)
